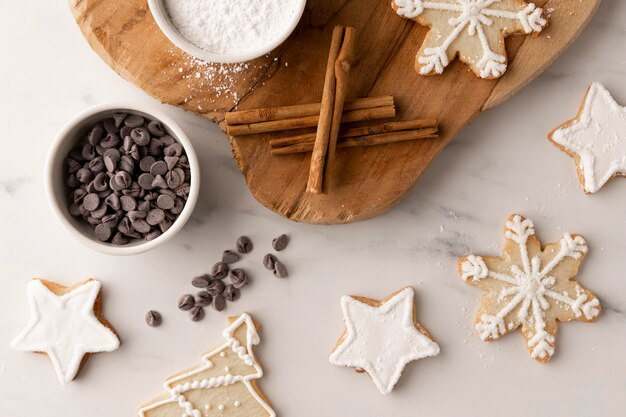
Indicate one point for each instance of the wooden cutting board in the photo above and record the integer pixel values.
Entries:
(373, 179)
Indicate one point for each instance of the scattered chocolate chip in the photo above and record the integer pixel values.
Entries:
(219, 302)
(186, 302)
(280, 242)
(220, 270)
(215, 287)
(201, 281)
(203, 299)
(231, 293)
(153, 318)
(244, 244)
(229, 257)
(239, 278)
(196, 313)
(280, 270)
(269, 260)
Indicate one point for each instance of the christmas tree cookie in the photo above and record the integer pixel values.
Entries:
(223, 385)
(530, 288)
(472, 29)
(382, 337)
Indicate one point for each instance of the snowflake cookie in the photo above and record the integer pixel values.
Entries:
(224, 384)
(596, 139)
(382, 337)
(530, 288)
(66, 323)
(472, 29)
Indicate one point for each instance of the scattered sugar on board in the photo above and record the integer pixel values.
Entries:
(233, 26)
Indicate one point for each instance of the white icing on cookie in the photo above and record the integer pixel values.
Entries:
(529, 288)
(65, 327)
(481, 20)
(382, 340)
(597, 137)
(177, 390)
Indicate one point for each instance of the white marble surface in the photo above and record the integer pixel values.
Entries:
(499, 165)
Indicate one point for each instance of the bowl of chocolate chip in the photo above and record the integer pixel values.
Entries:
(122, 179)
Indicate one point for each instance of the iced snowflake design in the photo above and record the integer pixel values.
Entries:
(473, 29)
(530, 288)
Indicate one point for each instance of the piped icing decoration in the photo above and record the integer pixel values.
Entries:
(530, 288)
(381, 338)
(596, 139)
(181, 387)
(473, 29)
(65, 327)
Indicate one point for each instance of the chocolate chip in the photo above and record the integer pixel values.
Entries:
(96, 135)
(179, 204)
(103, 233)
(96, 165)
(165, 225)
(201, 281)
(280, 242)
(119, 239)
(174, 178)
(141, 226)
(119, 118)
(153, 318)
(239, 278)
(110, 220)
(145, 181)
(126, 164)
(128, 203)
(158, 168)
(165, 202)
(84, 175)
(229, 257)
(133, 121)
(269, 261)
(244, 244)
(215, 287)
(100, 212)
(91, 201)
(167, 140)
(219, 302)
(140, 136)
(110, 125)
(156, 128)
(122, 179)
(72, 181)
(231, 293)
(196, 313)
(171, 162)
(144, 206)
(220, 270)
(153, 234)
(101, 182)
(113, 201)
(280, 271)
(175, 149)
(186, 302)
(203, 299)
(110, 141)
(78, 195)
(88, 152)
(146, 163)
(72, 165)
(155, 216)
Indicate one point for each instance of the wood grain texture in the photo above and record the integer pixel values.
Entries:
(370, 180)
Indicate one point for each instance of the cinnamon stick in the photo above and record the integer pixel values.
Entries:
(368, 140)
(320, 148)
(343, 65)
(361, 131)
(357, 115)
(300, 110)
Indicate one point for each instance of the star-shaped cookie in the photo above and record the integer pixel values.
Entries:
(530, 288)
(66, 324)
(596, 139)
(382, 337)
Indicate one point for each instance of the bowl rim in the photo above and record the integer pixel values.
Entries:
(163, 20)
(54, 158)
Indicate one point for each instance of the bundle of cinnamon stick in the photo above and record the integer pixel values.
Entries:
(328, 116)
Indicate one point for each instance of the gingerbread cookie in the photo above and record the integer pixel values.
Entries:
(66, 324)
(530, 288)
(382, 337)
(472, 29)
(596, 139)
(223, 385)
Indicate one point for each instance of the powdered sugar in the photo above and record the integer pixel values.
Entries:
(231, 26)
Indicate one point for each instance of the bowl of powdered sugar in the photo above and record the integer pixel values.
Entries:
(227, 31)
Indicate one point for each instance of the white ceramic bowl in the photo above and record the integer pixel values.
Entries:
(163, 20)
(58, 191)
